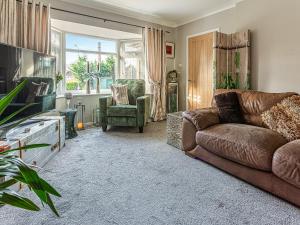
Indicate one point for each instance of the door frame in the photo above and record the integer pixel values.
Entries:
(187, 61)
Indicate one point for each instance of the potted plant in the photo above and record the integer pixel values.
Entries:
(15, 170)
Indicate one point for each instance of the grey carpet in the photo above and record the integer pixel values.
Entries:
(126, 178)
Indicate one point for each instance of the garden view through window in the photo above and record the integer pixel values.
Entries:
(89, 58)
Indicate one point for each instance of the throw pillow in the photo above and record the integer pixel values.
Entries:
(229, 108)
(120, 94)
(284, 118)
(34, 90)
(44, 89)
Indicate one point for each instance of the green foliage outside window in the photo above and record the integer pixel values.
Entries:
(79, 71)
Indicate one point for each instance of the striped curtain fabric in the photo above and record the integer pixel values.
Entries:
(25, 24)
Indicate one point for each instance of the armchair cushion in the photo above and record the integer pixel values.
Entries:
(122, 111)
(136, 88)
(203, 118)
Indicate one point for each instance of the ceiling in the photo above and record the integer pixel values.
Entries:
(93, 31)
(171, 13)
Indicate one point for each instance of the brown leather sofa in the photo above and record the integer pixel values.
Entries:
(248, 151)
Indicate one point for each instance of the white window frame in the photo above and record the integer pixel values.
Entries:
(65, 50)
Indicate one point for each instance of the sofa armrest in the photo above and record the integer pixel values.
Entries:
(104, 102)
(203, 118)
(188, 135)
(286, 163)
(143, 110)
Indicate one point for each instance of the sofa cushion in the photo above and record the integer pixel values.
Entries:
(286, 163)
(229, 108)
(254, 103)
(122, 110)
(284, 118)
(245, 144)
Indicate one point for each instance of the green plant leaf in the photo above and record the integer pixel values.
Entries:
(4, 102)
(3, 121)
(11, 198)
(51, 205)
(47, 187)
(7, 183)
(27, 147)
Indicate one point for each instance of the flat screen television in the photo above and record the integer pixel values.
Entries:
(17, 64)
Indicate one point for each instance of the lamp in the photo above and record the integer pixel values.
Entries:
(68, 96)
(80, 116)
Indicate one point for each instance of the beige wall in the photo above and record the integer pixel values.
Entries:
(275, 38)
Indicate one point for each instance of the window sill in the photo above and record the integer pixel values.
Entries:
(102, 92)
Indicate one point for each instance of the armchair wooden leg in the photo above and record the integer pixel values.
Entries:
(141, 129)
(104, 128)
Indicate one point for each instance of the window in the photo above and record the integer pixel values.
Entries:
(56, 50)
(132, 60)
(86, 58)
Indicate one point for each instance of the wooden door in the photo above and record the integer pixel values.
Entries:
(200, 73)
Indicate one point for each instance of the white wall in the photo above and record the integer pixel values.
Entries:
(275, 38)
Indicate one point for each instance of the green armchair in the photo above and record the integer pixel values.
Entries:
(135, 114)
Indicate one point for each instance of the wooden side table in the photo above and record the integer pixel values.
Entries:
(174, 129)
(70, 122)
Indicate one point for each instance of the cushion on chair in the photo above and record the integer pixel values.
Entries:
(120, 94)
(122, 111)
(245, 144)
(136, 88)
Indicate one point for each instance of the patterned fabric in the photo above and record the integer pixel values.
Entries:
(284, 118)
(136, 88)
(122, 110)
(136, 114)
(232, 61)
(120, 94)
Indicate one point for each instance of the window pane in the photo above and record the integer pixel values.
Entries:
(77, 67)
(86, 43)
(133, 46)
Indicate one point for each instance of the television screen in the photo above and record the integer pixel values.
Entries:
(17, 64)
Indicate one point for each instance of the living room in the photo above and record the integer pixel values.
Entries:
(161, 112)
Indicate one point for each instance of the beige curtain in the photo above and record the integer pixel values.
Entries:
(8, 22)
(156, 67)
(25, 24)
(232, 60)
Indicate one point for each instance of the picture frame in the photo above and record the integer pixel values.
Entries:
(170, 50)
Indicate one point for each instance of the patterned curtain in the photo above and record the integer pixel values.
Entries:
(232, 61)
(25, 24)
(156, 66)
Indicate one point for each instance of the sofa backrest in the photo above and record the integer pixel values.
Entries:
(254, 103)
(136, 88)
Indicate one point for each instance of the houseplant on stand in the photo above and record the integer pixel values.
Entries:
(15, 170)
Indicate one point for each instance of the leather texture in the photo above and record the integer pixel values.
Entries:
(245, 144)
(188, 135)
(286, 163)
(202, 118)
(254, 103)
(264, 180)
(135, 114)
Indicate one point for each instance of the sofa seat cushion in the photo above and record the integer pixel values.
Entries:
(245, 144)
(286, 163)
(122, 111)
